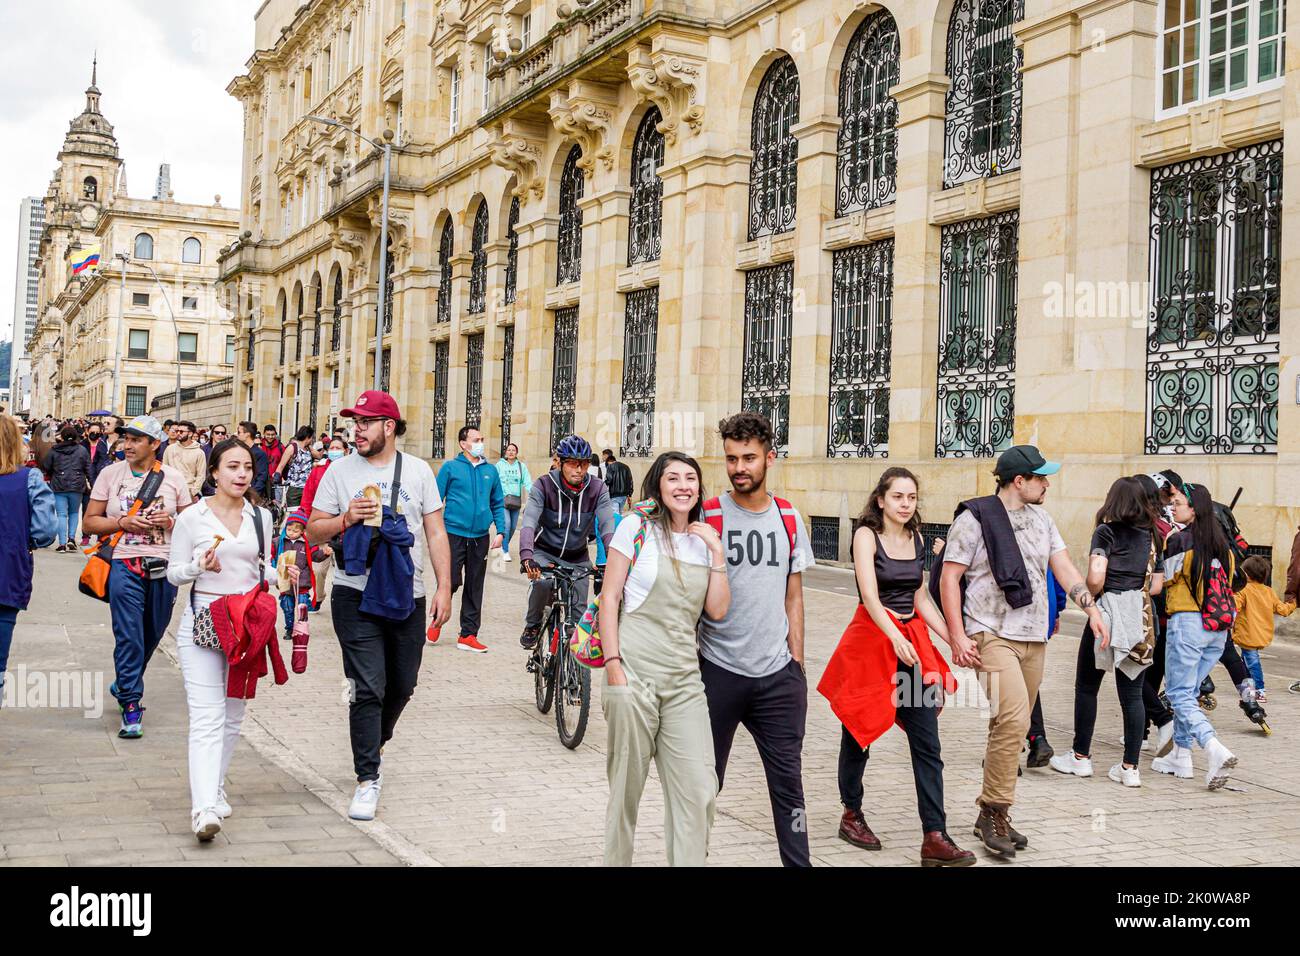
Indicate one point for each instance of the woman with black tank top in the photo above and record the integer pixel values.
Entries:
(886, 670)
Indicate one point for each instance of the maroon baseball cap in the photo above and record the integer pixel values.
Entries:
(373, 404)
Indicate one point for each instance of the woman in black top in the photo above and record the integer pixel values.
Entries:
(886, 670)
(1125, 547)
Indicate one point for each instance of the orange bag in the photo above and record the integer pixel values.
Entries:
(94, 576)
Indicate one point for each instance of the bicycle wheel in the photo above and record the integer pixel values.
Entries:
(572, 697)
(544, 672)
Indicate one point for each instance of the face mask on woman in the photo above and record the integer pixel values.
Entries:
(336, 453)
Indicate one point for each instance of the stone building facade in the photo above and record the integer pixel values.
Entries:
(87, 319)
(912, 233)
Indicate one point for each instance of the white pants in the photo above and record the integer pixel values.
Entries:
(215, 719)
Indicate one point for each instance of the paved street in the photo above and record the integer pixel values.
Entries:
(477, 776)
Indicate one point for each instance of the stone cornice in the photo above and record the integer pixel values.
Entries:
(584, 113)
(672, 80)
(517, 148)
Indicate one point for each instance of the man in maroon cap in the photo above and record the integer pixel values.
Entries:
(381, 656)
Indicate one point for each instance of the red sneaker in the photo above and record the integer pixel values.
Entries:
(471, 643)
(432, 634)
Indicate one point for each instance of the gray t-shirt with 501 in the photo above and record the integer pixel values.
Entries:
(752, 639)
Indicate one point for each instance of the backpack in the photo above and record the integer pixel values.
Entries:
(713, 517)
(1236, 541)
(1219, 607)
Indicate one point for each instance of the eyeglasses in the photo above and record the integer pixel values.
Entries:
(367, 422)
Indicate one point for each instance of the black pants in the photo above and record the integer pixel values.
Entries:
(1231, 659)
(774, 710)
(1036, 728)
(919, 717)
(469, 559)
(1156, 712)
(1087, 681)
(539, 594)
(381, 660)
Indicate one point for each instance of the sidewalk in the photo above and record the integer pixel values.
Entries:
(476, 775)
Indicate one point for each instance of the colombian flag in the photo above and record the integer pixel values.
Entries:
(85, 259)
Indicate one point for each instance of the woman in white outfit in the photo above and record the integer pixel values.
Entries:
(230, 567)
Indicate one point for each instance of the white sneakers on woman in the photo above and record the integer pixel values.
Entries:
(205, 824)
(223, 805)
(365, 801)
(1069, 762)
(1128, 776)
(1164, 739)
(1221, 762)
(1178, 763)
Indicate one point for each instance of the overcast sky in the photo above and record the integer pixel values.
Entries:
(163, 70)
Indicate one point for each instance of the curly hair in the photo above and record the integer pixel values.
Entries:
(748, 426)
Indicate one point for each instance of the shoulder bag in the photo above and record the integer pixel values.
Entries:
(94, 576)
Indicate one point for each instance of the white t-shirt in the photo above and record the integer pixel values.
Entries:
(418, 497)
(687, 548)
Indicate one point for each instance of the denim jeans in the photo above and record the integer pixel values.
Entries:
(1251, 656)
(67, 505)
(512, 522)
(140, 609)
(8, 618)
(288, 604)
(1190, 654)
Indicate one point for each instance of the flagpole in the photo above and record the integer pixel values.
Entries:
(121, 324)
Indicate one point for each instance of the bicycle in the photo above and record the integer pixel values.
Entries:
(557, 676)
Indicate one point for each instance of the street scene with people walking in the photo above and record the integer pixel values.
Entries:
(795, 487)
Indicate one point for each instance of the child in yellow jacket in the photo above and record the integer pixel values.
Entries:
(1256, 605)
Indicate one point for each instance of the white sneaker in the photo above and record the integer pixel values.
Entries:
(365, 801)
(1178, 763)
(205, 824)
(1129, 776)
(1164, 739)
(1221, 763)
(223, 805)
(1068, 762)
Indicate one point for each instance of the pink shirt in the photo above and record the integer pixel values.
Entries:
(117, 486)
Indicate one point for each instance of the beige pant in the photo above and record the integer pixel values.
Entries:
(1010, 673)
(669, 722)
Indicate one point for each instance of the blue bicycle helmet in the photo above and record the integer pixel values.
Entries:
(573, 447)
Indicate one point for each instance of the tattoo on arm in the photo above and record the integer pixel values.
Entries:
(1080, 596)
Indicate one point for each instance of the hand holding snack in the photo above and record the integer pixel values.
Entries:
(372, 494)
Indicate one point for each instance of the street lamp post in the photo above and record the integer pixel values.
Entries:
(387, 147)
(175, 328)
(121, 325)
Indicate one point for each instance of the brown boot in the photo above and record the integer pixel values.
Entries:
(1019, 839)
(993, 827)
(854, 829)
(939, 850)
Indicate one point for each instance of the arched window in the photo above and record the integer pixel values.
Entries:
(143, 246)
(284, 322)
(982, 105)
(868, 141)
(90, 189)
(315, 329)
(512, 256)
(444, 272)
(388, 285)
(297, 339)
(772, 171)
(191, 251)
(569, 253)
(478, 269)
(336, 333)
(646, 214)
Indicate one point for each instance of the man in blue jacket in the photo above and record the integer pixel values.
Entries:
(473, 499)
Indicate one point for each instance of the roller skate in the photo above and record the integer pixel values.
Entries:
(1206, 695)
(1250, 706)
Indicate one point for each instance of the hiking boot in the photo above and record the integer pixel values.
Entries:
(854, 829)
(938, 850)
(993, 827)
(1040, 752)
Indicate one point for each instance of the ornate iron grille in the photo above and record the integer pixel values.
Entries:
(825, 534)
(512, 256)
(441, 359)
(569, 251)
(474, 380)
(252, 345)
(977, 337)
(929, 534)
(868, 141)
(507, 384)
(297, 335)
(284, 322)
(444, 273)
(862, 301)
(388, 287)
(478, 269)
(315, 329)
(313, 395)
(772, 171)
(564, 374)
(1212, 339)
(769, 315)
(982, 105)
(647, 207)
(386, 371)
(640, 337)
(336, 333)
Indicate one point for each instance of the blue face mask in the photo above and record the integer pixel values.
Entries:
(336, 453)
(120, 455)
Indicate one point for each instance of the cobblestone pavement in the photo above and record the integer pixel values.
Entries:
(476, 775)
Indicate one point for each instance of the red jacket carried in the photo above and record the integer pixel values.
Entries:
(860, 681)
(246, 625)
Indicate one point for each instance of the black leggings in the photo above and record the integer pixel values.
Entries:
(1087, 681)
(1156, 712)
(1231, 659)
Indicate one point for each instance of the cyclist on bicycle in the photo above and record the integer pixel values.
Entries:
(556, 525)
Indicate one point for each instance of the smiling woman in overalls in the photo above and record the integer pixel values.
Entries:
(663, 571)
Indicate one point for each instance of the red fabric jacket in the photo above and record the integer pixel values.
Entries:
(859, 679)
(313, 482)
(246, 625)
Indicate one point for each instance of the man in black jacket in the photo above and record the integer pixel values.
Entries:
(247, 433)
(618, 479)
